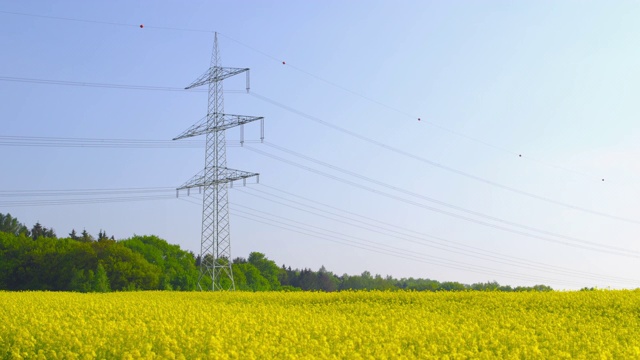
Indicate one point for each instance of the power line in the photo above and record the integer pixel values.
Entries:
(51, 197)
(133, 143)
(457, 250)
(376, 247)
(381, 248)
(94, 84)
(163, 190)
(570, 241)
(441, 243)
(314, 76)
(100, 22)
(107, 85)
(273, 102)
(123, 143)
(56, 202)
(83, 192)
(112, 191)
(68, 142)
(41, 141)
(9, 142)
(438, 165)
(420, 196)
(407, 114)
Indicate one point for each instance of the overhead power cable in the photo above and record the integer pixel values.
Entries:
(423, 239)
(329, 235)
(405, 113)
(361, 137)
(438, 165)
(406, 257)
(14, 141)
(53, 202)
(314, 76)
(377, 143)
(377, 245)
(573, 242)
(20, 198)
(95, 84)
(40, 141)
(83, 192)
(429, 199)
(390, 250)
(69, 142)
(101, 22)
(106, 85)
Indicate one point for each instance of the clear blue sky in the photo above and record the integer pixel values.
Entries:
(555, 82)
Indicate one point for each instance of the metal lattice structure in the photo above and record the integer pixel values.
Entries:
(214, 180)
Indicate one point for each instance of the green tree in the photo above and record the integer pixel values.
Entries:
(326, 280)
(488, 286)
(179, 271)
(239, 279)
(82, 281)
(11, 225)
(100, 281)
(102, 236)
(39, 231)
(73, 235)
(308, 280)
(125, 268)
(452, 286)
(268, 268)
(542, 288)
(254, 281)
(86, 237)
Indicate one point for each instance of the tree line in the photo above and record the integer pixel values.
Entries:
(37, 259)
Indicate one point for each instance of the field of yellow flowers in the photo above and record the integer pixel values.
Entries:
(354, 325)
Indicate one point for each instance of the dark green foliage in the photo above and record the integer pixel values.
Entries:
(81, 281)
(86, 237)
(267, 268)
(100, 281)
(178, 267)
(39, 231)
(247, 277)
(127, 270)
(79, 263)
(66, 264)
(418, 284)
(11, 225)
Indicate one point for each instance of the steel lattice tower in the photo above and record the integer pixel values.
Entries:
(213, 181)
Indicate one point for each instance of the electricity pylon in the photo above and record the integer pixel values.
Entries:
(213, 181)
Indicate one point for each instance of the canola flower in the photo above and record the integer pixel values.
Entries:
(345, 325)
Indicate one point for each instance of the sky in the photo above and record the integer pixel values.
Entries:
(458, 141)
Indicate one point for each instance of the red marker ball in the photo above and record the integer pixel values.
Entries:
(141, 26)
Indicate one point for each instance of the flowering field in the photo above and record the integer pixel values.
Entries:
(595, 324)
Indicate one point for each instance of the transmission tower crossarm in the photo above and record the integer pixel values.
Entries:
(215, 74)
(223, 176)
(196, 129)
(224, 122)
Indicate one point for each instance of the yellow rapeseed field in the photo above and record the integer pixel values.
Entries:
(352, 325)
